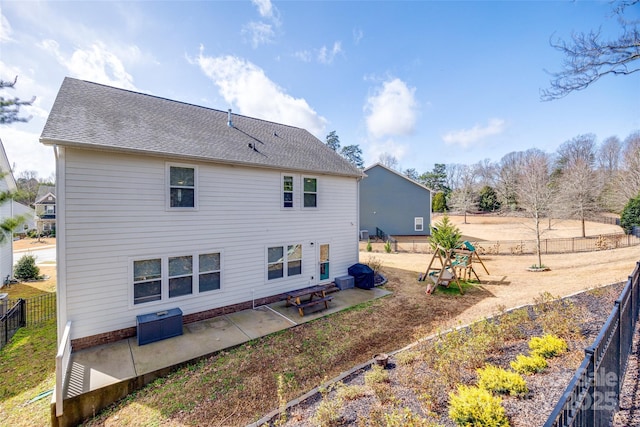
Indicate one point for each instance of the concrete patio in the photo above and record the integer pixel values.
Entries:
(104, 374)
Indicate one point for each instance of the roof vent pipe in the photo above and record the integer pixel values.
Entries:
(229, 122)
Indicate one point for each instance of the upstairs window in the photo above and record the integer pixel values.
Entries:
(182, 187)
(310, 192)
(287, 191)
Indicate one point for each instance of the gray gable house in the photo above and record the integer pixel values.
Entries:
(393, 203)
(164, 205)
(45, 207)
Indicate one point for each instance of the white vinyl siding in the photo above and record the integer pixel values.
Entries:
(122, 198)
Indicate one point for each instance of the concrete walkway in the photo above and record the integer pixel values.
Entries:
(119, 365)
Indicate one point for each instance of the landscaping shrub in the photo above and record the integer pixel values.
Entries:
(406, 418)
(376, 375)
(547, 346)
(528, 365)
(387, 246)
(474, 406)
(369, 248)
(630, 215)
(501, 381)
(26, 268)
(557, 316)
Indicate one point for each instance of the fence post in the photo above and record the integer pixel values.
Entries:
(589, 412)
(23, 313)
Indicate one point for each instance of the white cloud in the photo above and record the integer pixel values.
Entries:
(358, 34)
(25, 151)
(304, 55)
(246, 86)
(265, 8)
(389, 146)
(5, 30)
(466, 137)
(259, 33)
(325, 56)
(96, 63)
(391, 110)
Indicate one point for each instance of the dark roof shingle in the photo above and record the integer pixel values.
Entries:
(94, 116)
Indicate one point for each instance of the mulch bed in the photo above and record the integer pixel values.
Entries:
(545, 388)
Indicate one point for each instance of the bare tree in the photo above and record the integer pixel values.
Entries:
(608, 159)
(629, 176)
(533, 188)
(486, 171)
(507, 179)
(588, 57)
(389, 160)
(578, 187)
(464, 198)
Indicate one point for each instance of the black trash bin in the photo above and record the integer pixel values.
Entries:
(362, 276)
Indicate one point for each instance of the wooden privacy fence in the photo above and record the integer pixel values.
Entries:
(593, 395)
(23, 312)
(528, 247)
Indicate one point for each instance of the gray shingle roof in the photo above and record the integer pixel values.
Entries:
(94, 116)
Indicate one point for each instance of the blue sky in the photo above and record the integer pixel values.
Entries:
(427, 82)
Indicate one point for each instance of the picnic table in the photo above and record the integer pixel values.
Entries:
(317, 294)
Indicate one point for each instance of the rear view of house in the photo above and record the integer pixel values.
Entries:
(162, 205)
(393, 203)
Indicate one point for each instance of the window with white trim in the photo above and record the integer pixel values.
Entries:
(163, 278)
(418, 223)
(279, 257)
(147, 280)
(180, 276)
(287, 191)
(310, 192)
(182, 186)
(209, 272)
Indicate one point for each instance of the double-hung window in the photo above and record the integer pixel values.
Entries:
(284, 261)
(209, 269)
(310, 192)
(182, 186)
(418, 223)
(287, 191)
(180, 276)
(147, 280)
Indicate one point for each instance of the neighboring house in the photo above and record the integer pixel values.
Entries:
(28, 215)
(7, 184)
(45, 206)
(393, 203)
(164, 204)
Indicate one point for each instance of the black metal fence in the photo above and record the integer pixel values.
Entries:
(593, 395)
(23, 312)
(528, 247)
(12, 320)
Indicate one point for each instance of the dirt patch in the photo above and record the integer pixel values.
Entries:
(28, 243)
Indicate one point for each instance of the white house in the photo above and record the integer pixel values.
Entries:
(7, 184)
(163, 204)
(28, 216)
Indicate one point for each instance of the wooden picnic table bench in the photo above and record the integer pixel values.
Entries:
(317, 294)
